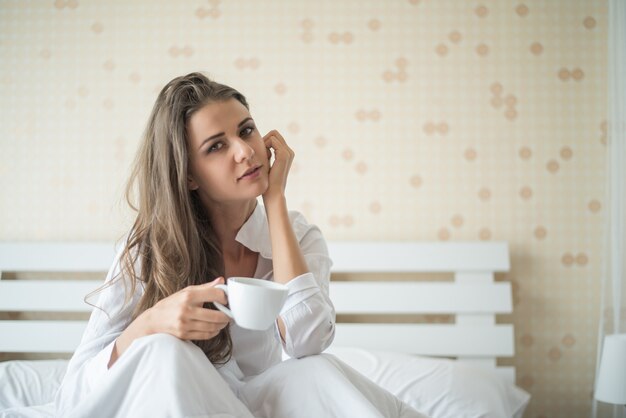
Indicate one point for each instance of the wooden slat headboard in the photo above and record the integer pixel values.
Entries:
(473, 298)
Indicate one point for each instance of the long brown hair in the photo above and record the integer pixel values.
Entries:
(172, 237)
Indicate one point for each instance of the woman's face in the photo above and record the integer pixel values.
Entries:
(228, 161)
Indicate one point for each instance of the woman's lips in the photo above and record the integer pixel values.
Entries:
(251, 173)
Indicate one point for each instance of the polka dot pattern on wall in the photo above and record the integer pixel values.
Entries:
(603, 130)
(431, 128)
(536, 48)
(526, 193)
(457, 221)
(575, 74)
(484, 234)
(525, 153)
(455, 37)
(481, 11)
(522, 10)
(482, 50)
(320, 142)
(97, 28)
(594, 206)
(441, 50)
(415, 181)
(244, 63)
(566, 153)
(202, 13)
(470, 154)
(337, 38)
(444, 234)
(109, 65)
(526, 382)
(420, 120)
(341, 221)
(293, 128)
(527, 340)
(185, 51)
(280, 89)
(66, 4)
(374, 25)
(540, 232)
(568, 259)
(589, 23)
(307, 30)
(555, 354)
(399, 74)
(568, 340)
(553, 166)
(363, 115)
(484, 194)
(508, 103)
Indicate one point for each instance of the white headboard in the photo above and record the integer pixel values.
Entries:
(472, 297)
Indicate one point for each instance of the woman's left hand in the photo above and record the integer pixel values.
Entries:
(278, 172)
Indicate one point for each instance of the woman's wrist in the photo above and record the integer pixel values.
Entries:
(143, 324)
(274, 202)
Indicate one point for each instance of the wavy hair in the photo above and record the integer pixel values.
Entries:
(172, 238)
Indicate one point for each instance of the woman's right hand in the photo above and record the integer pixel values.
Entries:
(181, 315)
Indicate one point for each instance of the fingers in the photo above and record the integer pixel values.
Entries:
(275, 140)
(208, 315)
(202, 326)
(199, 294)
(199, 335)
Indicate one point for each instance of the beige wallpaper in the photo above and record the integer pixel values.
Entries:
(411, 120)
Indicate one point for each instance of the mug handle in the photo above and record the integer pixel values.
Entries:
(221, 307)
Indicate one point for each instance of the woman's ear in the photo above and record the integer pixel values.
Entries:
(191, 183)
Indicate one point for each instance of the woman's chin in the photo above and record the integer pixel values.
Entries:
(262, 188)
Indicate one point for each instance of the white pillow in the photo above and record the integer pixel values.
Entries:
(30, 382)
(439, 388)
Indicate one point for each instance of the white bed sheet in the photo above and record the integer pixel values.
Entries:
(439, 388)
(436, 387)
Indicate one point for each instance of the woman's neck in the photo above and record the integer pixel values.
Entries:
(227, 220)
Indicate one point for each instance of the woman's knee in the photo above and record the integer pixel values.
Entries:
(315, 365)
(165, 344)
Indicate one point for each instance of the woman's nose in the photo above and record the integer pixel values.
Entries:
(243, 150)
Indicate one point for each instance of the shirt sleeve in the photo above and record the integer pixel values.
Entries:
(308, 313)
(107, 321)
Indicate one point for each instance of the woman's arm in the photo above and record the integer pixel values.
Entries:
(315, 315)
(181, 315)
(288, 261)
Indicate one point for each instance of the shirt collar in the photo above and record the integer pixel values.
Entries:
(254, 233)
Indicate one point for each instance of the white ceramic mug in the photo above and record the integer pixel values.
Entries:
(254, 303)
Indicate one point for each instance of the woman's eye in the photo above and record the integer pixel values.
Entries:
(249, 131)
(215, 146)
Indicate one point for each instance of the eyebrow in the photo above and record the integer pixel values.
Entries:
(222, 133)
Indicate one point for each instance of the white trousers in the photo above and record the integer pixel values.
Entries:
(162, 376)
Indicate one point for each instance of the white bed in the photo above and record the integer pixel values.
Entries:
(444, 368)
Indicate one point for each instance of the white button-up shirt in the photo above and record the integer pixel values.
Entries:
(308, 313)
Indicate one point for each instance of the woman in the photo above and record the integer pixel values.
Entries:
(155, 345)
